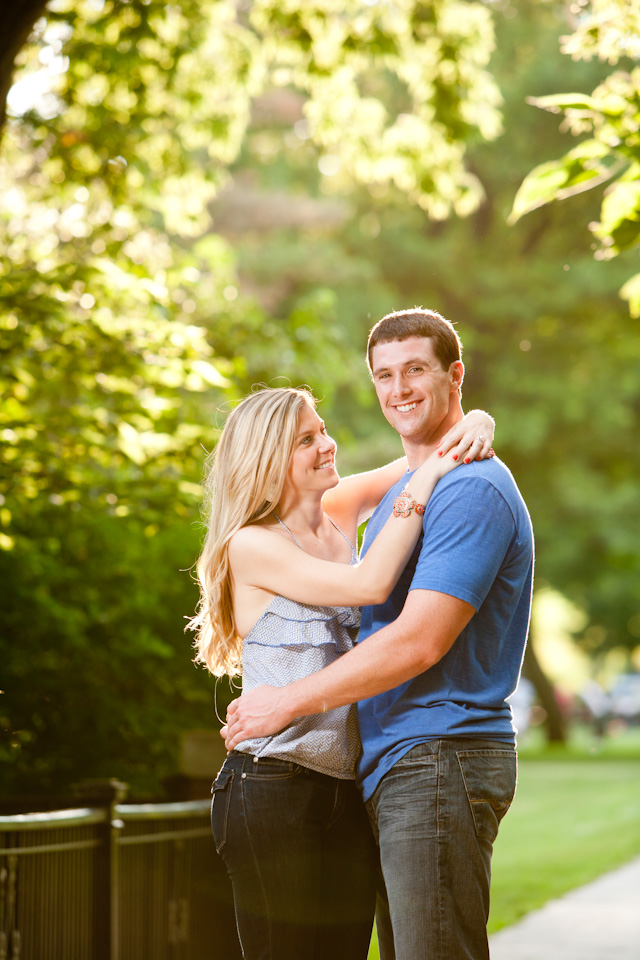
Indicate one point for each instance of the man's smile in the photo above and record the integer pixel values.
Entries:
(406, 407)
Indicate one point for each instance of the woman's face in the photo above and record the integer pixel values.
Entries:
(312, 464)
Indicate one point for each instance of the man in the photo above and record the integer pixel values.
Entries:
(438, 768)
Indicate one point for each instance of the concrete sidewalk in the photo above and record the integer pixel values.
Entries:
(600, 921)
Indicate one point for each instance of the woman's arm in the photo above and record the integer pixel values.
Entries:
(356, 497)
(263, 559)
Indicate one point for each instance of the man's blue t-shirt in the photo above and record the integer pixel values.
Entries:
(477, 545)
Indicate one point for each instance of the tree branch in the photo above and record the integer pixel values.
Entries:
(18, 18)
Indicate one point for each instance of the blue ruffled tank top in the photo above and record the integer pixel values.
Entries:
(292, 640)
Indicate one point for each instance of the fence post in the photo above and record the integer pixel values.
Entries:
(106, 793)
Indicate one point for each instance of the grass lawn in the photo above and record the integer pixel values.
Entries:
(576, 815)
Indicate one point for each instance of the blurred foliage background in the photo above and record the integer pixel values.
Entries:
(196, 197)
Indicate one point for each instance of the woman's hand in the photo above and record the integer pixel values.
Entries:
(469, 439)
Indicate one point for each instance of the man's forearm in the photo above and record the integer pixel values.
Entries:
(424, 632)
(381, 662)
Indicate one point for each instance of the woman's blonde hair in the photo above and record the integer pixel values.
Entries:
(245, 478)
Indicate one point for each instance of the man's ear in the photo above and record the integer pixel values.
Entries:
(456, 373)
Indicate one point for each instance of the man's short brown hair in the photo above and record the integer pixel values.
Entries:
(402, 324)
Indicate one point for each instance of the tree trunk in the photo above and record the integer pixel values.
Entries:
(18, 18)
(555, 723)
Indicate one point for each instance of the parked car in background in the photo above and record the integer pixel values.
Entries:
(625, 697)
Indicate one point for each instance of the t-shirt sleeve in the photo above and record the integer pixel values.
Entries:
(468, 529)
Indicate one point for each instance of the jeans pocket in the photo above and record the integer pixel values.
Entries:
(272, 768)
(490, 782)
(221, 798)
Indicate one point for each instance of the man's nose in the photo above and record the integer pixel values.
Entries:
(400, 387)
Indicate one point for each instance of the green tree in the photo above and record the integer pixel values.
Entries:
(124, 327)
(610, 116)
(545, 349)
(106, 183)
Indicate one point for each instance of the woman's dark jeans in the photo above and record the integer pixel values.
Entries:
(301, 857)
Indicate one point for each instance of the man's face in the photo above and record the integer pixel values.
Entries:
(414, 391)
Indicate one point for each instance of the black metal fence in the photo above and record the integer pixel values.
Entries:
(114, 882)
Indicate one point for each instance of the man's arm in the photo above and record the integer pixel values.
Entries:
(426, 629)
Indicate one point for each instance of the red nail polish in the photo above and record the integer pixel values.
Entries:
(455, 456)
(467, 460)
(439, 453)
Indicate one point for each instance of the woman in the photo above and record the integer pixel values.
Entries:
(286, 816)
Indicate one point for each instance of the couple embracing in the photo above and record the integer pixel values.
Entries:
(372, 753)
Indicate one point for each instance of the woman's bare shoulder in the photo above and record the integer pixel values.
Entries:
(255, 537)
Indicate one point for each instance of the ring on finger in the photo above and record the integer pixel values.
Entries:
(481, 439)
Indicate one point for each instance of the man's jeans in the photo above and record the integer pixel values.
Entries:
(301, 857)
(436, 814)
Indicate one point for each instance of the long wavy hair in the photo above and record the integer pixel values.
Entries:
(245, 478)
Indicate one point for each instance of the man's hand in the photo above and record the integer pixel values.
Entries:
(257, 713)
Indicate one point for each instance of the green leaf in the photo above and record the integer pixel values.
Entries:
(620, 214)
(577, 171)
(130, 443)
(556, 102)
(631, 293)
(209, 373)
